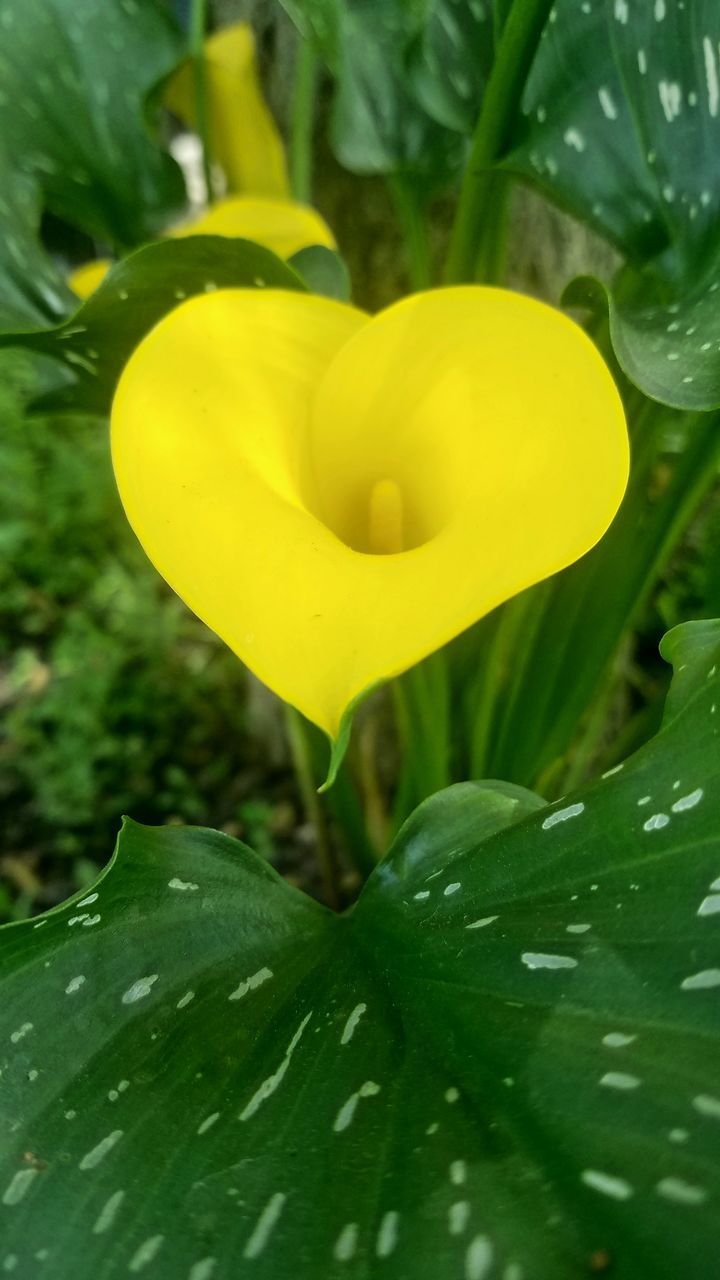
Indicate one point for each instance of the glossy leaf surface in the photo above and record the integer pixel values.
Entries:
(502, 1062)
(74, 76)
(96, 341)
(622, 120)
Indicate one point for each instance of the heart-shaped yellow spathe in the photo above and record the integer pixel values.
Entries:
(337, 496)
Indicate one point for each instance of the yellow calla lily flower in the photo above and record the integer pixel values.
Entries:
(86, 278)
(281, 225)
(244, 138)
(337, 496)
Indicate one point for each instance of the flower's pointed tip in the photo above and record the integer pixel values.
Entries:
(339, 742)
(338, 747)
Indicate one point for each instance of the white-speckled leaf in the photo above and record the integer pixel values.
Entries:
(74, 75)
(670, 349)
(623, 120)
(94, 343)
(501, 1064)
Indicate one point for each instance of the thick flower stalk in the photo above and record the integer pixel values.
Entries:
(337, 495)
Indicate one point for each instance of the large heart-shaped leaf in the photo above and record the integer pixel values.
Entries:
(74, 75)
(502, 1062)
(96, 341)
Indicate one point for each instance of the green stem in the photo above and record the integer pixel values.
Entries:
(412, 223)
(497, 658)
(198, 22)
(493, 132)
(300, 751)
(343, 805)
(422, 709)
(695, 474)
(303, 115)
(491, 258)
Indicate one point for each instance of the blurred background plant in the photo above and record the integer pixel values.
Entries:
(114, 698)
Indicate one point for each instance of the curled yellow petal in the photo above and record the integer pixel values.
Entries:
(85, 279)
(281, 225)
(338, 496)
(243, 136)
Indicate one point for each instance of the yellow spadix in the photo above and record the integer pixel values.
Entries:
(337, 496)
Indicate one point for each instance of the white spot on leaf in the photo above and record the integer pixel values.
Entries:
(352, 1022)
(251, 984)
(344, 1117)
(539, 960)
(606, 1184)
(619, 1080)
(689, 801)
(680, 1192)
(701, 981)
(98, 1153)
(264, 1225)
(140, 989)
(562, 815)
(108, 1213)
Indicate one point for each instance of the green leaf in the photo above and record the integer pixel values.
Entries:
(95, 342)
(553, 655)
(622, 127)
(622, 122)
(692, 649)
(501, 1063)
(377, 125)
(323, 271)
(451, 60)
(32, 290)
(339, 745)
(670, 350)
(74, 76)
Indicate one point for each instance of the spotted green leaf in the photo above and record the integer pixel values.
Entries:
(74, 76)
(670, 349)
(95, 342)
(622, 127)
(501, 1063)
(622, 120)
